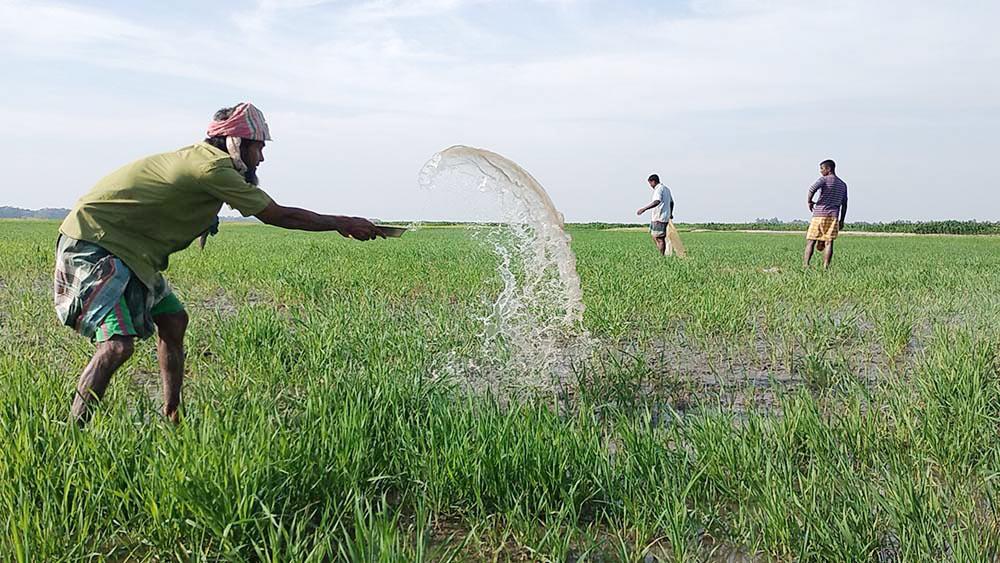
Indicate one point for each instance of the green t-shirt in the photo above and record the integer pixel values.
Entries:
(147, 210)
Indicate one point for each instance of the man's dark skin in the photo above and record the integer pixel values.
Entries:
(824, 170)
(170, 328)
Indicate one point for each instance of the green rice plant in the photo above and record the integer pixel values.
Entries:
(895, 328)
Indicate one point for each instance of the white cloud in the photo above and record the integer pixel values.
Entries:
(60, 26)
(378, 10)
(739, 54)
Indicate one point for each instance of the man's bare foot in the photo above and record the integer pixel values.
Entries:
(173, 416)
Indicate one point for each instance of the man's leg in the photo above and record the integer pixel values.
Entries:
(661, 244)
(170, 328)
(807, 257)
(828, 254)
(110, 356)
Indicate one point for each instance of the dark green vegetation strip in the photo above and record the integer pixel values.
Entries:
(914, 227)
(316, 431)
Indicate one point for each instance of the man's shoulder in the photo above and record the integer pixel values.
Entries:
(204, 153)
(206, 159)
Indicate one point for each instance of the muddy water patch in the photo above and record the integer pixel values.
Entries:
(224, 305)
(672, 378)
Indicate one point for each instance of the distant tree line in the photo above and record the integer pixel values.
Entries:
(950, 227)
(47, 213)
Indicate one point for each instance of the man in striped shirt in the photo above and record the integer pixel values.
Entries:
(829, 213)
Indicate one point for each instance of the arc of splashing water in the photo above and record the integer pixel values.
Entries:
(506, 178)
(534, 336)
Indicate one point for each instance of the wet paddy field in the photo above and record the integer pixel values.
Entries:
(732, 407)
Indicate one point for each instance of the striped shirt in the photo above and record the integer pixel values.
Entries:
(832, 195)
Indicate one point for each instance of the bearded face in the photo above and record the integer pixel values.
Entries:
(252, 154)
(251, 176)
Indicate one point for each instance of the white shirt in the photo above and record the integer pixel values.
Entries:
(661, 212)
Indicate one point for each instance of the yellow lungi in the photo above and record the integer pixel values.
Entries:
(823, 228)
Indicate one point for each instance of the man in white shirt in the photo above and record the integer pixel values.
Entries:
(663, 210)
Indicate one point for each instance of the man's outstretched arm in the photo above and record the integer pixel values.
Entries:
(305, 220)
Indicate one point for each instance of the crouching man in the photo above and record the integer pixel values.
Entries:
(116, 242)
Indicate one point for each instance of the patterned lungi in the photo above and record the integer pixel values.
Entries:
(98, 296)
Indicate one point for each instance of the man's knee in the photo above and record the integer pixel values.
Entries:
(120, 348)
(171, 326)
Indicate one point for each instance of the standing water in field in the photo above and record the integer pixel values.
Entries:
(533, 331)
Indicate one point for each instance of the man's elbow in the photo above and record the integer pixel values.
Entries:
(273, 214)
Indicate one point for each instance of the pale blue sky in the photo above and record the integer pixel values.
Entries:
(732, 102)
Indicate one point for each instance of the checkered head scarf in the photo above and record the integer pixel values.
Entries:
(244, 121)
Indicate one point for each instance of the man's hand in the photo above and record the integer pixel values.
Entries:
(358, 228)
(641, 211)
(811, 205)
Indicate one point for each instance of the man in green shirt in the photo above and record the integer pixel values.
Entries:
(118, 238)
